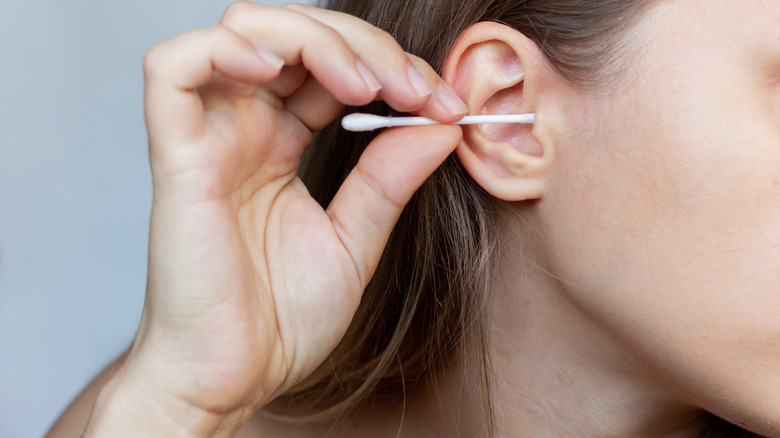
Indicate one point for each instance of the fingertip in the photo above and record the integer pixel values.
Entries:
(454, 133)
(368, 76)
(418, 82)
(450, 101)
(350, 82)
(441, 103)
(400, 159)
(444, 135)
(270, 58)
(369, 87)
(447, 136)
(408, 91)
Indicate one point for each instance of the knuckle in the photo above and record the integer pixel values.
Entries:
(412, 57)
(381, 36)
(237, 11)
(153, 60)
(331, 34)
(417, 61)
(422, 66)
(325, 35)
(295, 6)
(215, 31)
(374, 186)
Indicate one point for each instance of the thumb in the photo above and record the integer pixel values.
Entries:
(392, 168)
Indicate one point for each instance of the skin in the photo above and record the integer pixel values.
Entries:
(647, 251)
(679, 210)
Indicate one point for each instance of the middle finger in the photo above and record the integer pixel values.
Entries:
(401, 73)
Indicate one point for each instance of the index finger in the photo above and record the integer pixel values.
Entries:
(299, 39)
(370, 201)
(410, 83)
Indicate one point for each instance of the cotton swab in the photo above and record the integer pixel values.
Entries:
(359, 122)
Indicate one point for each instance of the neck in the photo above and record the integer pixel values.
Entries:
(555, 373)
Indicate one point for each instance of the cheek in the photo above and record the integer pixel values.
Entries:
(664, 225)
(672, 238)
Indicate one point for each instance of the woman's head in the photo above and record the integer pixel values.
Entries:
(647, 192)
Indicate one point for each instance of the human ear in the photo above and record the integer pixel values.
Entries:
(497, 70)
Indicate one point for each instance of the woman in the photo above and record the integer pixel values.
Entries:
(611, 270)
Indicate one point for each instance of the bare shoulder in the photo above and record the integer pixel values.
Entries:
(369, 421)
(74, 419)
(381, 422)
(262, 426)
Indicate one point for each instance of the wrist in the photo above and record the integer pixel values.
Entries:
(126, 407)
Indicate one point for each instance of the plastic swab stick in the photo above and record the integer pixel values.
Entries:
(358, 122)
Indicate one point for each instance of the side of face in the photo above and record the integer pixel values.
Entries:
(663, 205)
(657, 198)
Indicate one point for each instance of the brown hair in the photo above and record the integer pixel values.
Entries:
(432, 286)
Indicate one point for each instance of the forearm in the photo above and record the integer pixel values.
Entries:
(128, 409)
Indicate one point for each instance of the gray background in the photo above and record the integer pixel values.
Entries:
(75, 191)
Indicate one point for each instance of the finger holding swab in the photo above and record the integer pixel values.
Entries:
(359, 122)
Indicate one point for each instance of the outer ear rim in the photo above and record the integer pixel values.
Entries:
(521, 176)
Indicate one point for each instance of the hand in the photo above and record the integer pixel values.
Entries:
(251, 283)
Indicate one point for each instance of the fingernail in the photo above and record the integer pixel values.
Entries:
(450, 101)
(418, 82)
(368, 77)
(272, 60)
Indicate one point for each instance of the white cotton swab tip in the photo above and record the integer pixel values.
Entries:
(359, 122)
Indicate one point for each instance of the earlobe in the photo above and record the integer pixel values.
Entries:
(495, 70)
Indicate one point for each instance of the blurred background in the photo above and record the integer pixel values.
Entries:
(75, 191)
